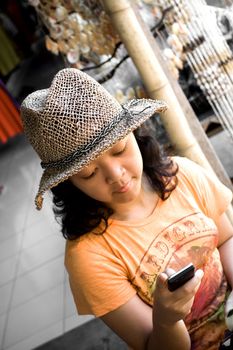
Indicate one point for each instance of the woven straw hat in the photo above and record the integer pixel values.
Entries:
(74, 121)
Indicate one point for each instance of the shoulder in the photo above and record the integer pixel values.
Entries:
(82, 249)
(90, 253)
(187, 166)
(190, 175)
(194, 173)
(98, 278)
(204, 185)
(197, 173)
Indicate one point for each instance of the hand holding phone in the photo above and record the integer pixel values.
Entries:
(180, 277)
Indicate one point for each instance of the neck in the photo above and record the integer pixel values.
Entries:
(140, 208)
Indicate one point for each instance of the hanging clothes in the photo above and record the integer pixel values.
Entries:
(9, 58)
(10, 122)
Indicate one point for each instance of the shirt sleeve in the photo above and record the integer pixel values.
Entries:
(98, 280)
(212, 195)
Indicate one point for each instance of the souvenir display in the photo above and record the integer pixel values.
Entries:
(130, 93)
(79, 30)
(194, 36)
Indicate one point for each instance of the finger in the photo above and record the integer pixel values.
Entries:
(229, 320)
(162, 280)
(199, 274)
(193, 285)
(229, 302)
(229, 312)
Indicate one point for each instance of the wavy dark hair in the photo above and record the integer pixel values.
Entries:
(79, 214)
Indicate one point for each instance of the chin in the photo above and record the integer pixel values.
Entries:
(126, 199)
(129, 196)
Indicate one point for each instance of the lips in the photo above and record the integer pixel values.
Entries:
(124, 188)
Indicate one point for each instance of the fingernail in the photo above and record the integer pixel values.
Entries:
(199, 273)
(163, 276)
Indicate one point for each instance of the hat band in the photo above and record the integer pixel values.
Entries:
(84, 150)
(87, 148)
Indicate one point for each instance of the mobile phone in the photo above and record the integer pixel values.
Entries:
(180, 277)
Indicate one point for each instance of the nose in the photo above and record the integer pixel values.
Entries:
(113, 172)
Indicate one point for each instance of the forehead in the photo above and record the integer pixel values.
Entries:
(117, 146)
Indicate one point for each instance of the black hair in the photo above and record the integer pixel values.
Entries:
(79, 214)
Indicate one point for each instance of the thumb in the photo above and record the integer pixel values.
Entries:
(162, 280)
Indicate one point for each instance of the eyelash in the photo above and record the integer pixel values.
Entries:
(115, 154)
(120, 152)
(89, 176)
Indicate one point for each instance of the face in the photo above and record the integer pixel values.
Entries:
(115, 177)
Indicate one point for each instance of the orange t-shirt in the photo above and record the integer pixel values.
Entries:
(107, 270)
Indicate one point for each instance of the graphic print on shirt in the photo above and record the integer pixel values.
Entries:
(191, 239)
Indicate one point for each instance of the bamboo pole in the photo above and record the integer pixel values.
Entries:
(140, 50)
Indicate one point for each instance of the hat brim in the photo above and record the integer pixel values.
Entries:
(139, 110)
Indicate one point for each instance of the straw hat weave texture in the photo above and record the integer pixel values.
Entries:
(76, 120)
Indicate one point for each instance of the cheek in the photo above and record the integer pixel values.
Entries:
(93, 190)
(81, 185)
(136, 164)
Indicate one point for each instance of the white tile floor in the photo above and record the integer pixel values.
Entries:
(35, 300)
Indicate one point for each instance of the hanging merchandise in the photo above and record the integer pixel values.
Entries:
(224, 17)
(194, 35)
(130, 93)
(79, 30)
(9, 58)
(170, 44)
(10, 121)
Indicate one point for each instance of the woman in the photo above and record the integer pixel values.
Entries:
(132, 216)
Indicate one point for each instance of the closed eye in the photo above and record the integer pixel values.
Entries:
(89, 176)
(118, 153)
